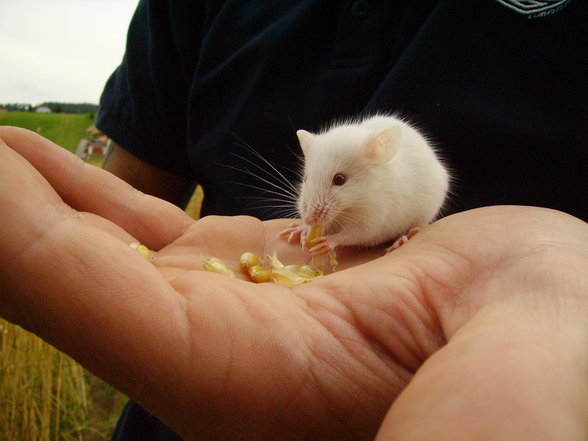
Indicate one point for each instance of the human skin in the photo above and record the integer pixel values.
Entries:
(474, 330)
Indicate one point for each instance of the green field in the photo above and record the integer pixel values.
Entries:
(44, 395)
(61, 128)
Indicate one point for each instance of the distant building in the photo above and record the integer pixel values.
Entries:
(43, 109)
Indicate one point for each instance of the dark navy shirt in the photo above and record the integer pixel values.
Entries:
(500, 87)
(501, 90)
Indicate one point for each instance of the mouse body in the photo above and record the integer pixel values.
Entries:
(367, 182)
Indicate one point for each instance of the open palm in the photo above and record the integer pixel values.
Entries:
(224, 359)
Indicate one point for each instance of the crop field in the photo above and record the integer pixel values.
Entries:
(61, 128)
(45, 395)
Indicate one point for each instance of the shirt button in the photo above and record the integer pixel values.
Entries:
(360, 8)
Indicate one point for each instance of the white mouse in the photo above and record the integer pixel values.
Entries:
(367, 182)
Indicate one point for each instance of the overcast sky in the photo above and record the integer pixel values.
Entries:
(60, 50)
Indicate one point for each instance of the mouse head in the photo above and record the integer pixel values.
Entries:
(341, 172)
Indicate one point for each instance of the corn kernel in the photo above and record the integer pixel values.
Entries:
(314, 232)
(259, 274)
(248, 260)
(214, 265)
(333, 260)
(291, 275)
(141, 249)
(303, 271)
(285, 277)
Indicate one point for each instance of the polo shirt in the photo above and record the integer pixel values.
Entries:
(500, 88)
(208, 87)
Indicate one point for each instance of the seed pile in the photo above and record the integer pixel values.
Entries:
(284, 275)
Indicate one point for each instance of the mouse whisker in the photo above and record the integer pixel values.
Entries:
(279, 206)
(283, 192)
(277, 203)
(257, 154)
(257, 166)
(285, 197)
(280, 176)
(278, 211)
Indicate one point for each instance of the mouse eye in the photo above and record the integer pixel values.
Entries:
(339, 179)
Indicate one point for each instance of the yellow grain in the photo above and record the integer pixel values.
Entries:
(314, 232)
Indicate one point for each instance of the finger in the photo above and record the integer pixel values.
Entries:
(286, 233)
(27, 201)
(86, 188)
(30, 204)
(31, 208)
(292, 227)
(321, 247)
(303, 241)
(76, 285)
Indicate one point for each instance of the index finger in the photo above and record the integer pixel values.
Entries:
(86, 188)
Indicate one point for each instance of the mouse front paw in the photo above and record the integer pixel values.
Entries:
(324, 244)
(403, 239)
(295, 232)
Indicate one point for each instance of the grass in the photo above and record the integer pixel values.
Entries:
(44, 394)
(61, 128)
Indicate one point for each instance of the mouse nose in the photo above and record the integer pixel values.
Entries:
(317, 216)
(310, 218)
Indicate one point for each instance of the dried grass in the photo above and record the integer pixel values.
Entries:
(46, 396)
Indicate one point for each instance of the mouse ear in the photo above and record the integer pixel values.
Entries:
(305, 138)
(383, 146)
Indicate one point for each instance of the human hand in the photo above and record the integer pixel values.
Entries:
(479, 316)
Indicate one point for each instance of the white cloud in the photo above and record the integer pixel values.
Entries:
(60, 50)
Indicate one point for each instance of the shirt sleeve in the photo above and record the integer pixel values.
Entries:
(143, 104)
